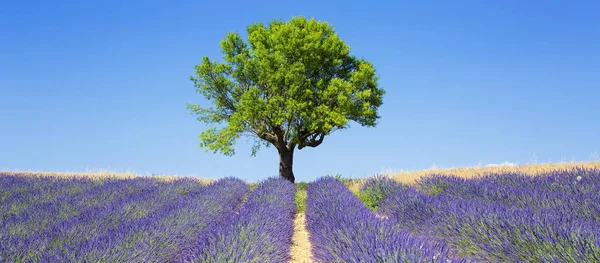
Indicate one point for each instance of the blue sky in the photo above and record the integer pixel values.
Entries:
(104, 84)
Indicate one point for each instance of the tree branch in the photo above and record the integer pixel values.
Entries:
(314, 140)
(221, 91)
(270, 137)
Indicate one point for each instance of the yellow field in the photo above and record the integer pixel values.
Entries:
(102, 175)
(410, 177)
(470, 172)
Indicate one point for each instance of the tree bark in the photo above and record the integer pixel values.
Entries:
(286, 160)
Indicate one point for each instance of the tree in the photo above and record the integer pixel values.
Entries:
(290, 85)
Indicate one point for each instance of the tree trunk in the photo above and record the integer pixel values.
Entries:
(286, 159)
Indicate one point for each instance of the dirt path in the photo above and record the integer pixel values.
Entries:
(301, 248)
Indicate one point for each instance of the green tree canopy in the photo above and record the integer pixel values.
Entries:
(291, 84)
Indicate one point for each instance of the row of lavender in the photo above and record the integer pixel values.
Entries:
(113, 220)
(343, 229)
(261, 231)
(49, 219)
(501, 217)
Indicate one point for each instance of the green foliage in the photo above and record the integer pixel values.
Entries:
(301, 186)
(300, 196)
(364, 197)
(291, 84)
(435, 189)
(339, 177)
(377, 189)
(371, 197)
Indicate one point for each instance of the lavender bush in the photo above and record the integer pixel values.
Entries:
(376, 189)
(506, 217)
(261, 232)
(571, 190)
(343, 229)
(500, 233)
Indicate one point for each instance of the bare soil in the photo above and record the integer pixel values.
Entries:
(301, 248)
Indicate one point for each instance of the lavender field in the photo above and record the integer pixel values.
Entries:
(52, 219)
(511, 217)
(500, 217)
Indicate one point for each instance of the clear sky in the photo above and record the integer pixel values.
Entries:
(104, 84)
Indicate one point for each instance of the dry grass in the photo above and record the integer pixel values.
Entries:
(471, 172)
(98, 175)
(410, 177)
(355, 184)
